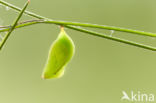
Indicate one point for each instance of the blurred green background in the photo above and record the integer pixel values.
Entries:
(100, 70)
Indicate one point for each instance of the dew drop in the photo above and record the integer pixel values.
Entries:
(7, 8)
(111, 32)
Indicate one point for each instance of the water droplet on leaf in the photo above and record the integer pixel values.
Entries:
(61, 52)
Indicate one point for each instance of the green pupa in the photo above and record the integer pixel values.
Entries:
(61, 52)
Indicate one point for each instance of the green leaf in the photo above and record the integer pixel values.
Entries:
(61, 52)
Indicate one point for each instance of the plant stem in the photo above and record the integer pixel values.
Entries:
(14, 25)
(32, 22)
(112, 38)
(68, 25)
(81, 24)
(102, 27)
